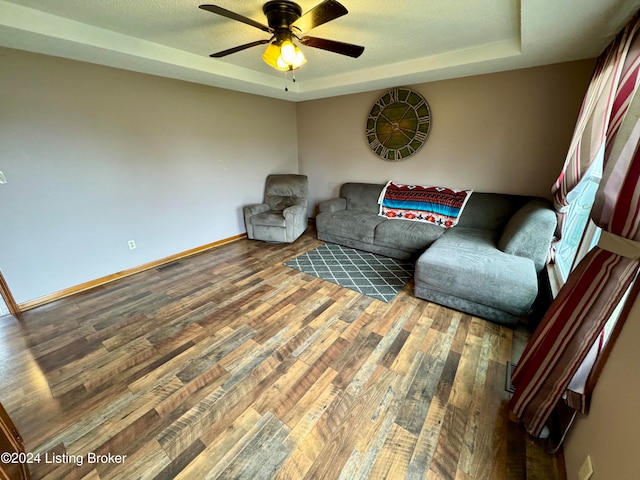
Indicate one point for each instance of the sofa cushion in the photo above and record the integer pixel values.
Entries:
(349, 224)
(465, 263)
(282, 191)
(489, 211)
(407, 235)
(362, 197)
(529, 232)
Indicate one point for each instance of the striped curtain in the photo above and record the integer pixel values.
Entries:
(593, 121)
(578, 314)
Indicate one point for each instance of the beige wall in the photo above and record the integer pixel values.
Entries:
(505, 132)
(97, 156)
(610, 433)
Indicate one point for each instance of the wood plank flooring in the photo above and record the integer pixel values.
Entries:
(230, 365)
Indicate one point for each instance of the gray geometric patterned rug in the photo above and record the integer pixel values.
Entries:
(373, 275)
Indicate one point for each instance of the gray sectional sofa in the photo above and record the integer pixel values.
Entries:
(487, 265)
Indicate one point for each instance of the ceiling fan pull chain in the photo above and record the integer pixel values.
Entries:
(286, 80)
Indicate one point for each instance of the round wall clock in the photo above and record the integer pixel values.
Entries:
(398, 124)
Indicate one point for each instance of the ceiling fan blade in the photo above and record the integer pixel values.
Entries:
(333, 46)
(234, 16)
(322, 13)
(239, 48)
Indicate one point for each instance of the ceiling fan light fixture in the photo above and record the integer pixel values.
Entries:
(298, 58)
(271, 55)
(284, 55)
(288, 52)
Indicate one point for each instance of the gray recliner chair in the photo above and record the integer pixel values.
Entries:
(282, 218)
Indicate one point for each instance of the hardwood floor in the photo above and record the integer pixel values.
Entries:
(230, 365)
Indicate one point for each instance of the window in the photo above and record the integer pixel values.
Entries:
(579, 234)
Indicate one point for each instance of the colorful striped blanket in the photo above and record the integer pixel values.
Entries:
(438, 205)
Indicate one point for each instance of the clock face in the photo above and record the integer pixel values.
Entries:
(398, 124)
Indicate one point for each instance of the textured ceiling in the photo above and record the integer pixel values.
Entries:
(406, 41)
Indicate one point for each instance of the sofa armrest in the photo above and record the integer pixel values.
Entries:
(249, 211)
(529, 232)
(255, 209)
(294, 211)
(333, 205)
(295, 220)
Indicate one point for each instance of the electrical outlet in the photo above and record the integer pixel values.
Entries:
(3, 179)
(586, 469)
(132, 244)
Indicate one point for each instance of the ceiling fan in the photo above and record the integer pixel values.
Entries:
(286, 23)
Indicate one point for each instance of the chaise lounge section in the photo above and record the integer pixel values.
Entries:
(488, 265)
